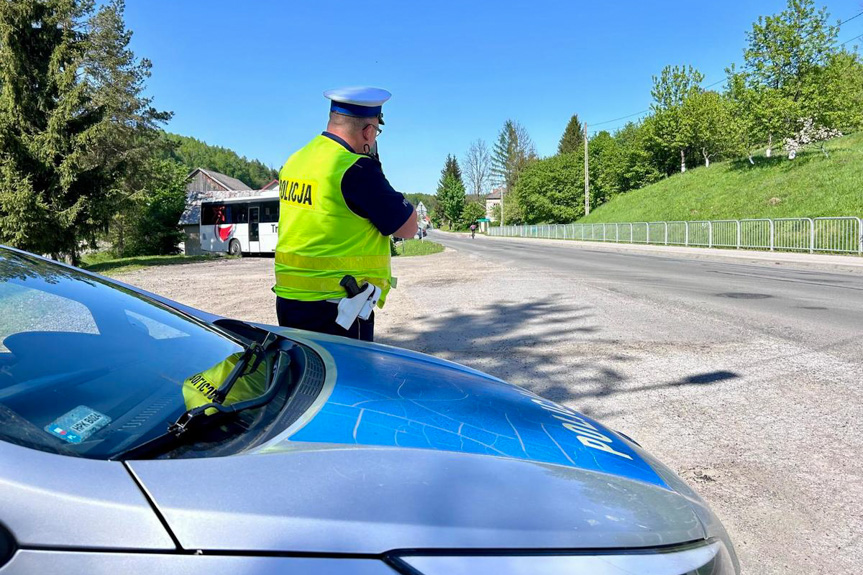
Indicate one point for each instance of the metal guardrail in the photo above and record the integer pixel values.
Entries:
(828, 235)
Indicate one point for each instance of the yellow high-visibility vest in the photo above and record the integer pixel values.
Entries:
(200, 389)
(320, 239)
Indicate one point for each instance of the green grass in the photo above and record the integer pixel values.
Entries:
(808, 186)
(103, 263)
(418, 248)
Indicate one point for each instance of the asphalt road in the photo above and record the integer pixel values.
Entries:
(816, 309)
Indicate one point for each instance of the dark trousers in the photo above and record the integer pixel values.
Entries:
(320, 316)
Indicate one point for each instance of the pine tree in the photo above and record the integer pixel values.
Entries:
(572, 140)
(42, 199)
(452, 168)
(451, 196)
(451, 191)
(512, 152)
(123, 142)
(75, 132)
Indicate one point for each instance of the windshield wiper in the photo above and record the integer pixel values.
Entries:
(198, 418)
(259, 351)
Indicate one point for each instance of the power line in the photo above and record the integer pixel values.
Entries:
(851, 40)
(724, 79)
(852, 17)
(848, 20)
(621, 118)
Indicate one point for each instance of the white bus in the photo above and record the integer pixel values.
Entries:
(241, 225)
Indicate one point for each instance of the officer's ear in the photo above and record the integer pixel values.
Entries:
(368, 132)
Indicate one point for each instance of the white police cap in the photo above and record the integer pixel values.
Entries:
(359, 101)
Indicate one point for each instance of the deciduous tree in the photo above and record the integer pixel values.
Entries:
(606, 164)
(551, 190)
(783, 54)
(746, 111)
(477, 165)
(837, 89)
(673, 86)
(152, 222)
(709, 124)
(472, 212)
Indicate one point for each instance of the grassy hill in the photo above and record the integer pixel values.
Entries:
(808, 186)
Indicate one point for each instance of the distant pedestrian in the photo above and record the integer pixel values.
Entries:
(473, 231)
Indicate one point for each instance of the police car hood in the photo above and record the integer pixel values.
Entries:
(390, 397)
(407, 451)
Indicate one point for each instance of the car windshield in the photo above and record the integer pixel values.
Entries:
(91, 369)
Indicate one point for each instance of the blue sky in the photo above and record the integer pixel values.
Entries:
(250, 75)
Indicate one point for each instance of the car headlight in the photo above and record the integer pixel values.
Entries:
(707, 558)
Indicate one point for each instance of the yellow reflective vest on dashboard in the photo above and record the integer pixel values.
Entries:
(200, 389)
(320, 239)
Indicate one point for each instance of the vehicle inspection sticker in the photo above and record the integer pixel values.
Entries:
(78, 424)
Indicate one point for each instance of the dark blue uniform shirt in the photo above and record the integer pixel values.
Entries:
(369, 195)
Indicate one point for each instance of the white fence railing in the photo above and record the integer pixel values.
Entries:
(829, 235)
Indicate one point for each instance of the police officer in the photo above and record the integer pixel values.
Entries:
(337, 212)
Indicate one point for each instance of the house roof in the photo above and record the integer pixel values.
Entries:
(231, 188)
(227, 182)
(274, 185)
(192, 213)
(495, 194)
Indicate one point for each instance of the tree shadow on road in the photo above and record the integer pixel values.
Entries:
(550, 347)
(520, 342)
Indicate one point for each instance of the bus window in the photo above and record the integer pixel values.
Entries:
(239, 214)
(270, 212)
(212, 214)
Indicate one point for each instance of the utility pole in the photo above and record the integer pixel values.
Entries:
(586, 185)
(501, 205)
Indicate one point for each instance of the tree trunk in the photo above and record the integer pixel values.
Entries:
(682, 161)
(120, 248)
(751, 161)
(769, 151)
(706, 158)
